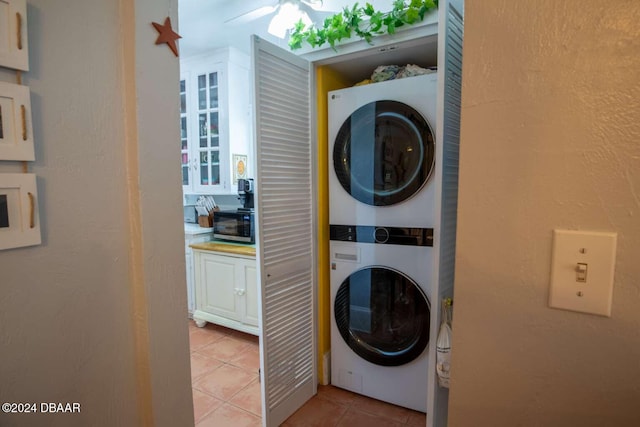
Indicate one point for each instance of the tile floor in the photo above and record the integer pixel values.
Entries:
(226, 390)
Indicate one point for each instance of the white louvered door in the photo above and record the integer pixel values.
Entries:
(286, 259)
(450, 37)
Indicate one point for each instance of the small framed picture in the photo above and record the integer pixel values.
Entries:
(16, 135)
(19, 219)
(239, 167)
(14, 48)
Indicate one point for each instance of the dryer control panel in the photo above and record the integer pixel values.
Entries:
(383, 235)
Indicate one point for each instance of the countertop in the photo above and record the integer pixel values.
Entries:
(195, 229)
(226, 247)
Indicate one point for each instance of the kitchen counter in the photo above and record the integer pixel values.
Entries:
(195, 229)
(226, 247)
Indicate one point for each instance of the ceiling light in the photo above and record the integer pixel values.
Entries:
(286, 18)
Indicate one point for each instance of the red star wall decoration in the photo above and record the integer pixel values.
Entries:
(167, 35)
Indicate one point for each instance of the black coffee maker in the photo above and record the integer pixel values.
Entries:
(245, 194)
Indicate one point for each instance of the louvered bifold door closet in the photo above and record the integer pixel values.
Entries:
(450, 44)
(284, 181)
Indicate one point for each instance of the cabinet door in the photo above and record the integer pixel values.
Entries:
(217, 286)
(210, 143)
(188, 162)
(251, 292)
(190, 269)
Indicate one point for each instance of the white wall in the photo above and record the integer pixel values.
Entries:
(97, 313)
(550, 128)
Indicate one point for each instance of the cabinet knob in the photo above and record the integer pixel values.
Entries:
(240, 292)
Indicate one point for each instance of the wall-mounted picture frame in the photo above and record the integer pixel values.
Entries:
(19, 219)
(14, 45)
(16, 134)
(239, 167)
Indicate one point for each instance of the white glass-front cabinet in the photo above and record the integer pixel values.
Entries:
(214, 119)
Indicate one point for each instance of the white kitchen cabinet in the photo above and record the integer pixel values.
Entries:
(251, 296)
(193, 233)
(214, 119)
(226, 290)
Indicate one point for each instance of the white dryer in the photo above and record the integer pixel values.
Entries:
(380, 316)
(381, 153)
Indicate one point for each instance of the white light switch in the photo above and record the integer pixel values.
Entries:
(582, 271)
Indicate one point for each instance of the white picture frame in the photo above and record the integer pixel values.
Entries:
(14, 45)
(19, 219)
(16, 129)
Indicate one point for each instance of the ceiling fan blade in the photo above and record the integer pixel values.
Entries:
(317, 5)
(251, 15)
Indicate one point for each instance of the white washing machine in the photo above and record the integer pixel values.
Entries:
(381, 153)
(382, 213)
(380, 315)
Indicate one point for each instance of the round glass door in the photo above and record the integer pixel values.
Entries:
(383, 153)
(383, 316)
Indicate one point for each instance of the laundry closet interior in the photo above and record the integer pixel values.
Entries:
(407, 235)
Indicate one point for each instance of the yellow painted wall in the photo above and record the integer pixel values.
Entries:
(326, 80)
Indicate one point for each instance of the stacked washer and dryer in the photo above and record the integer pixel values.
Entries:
(382, 215)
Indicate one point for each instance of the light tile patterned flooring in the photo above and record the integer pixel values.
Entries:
(226, 389)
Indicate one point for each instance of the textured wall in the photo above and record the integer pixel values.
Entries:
(67, 310)
(550, 127)
(65, 322)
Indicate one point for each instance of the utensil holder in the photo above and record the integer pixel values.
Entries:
(206, 221)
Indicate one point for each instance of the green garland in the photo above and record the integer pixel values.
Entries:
(365, 22)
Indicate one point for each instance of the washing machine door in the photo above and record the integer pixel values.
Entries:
(383, 316)
(384, 153)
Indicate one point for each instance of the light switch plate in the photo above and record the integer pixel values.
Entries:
(573, 288)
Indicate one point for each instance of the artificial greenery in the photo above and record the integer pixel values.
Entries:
(365, 22)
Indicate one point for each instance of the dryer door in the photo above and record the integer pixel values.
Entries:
(383, 316)
(384, 153)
